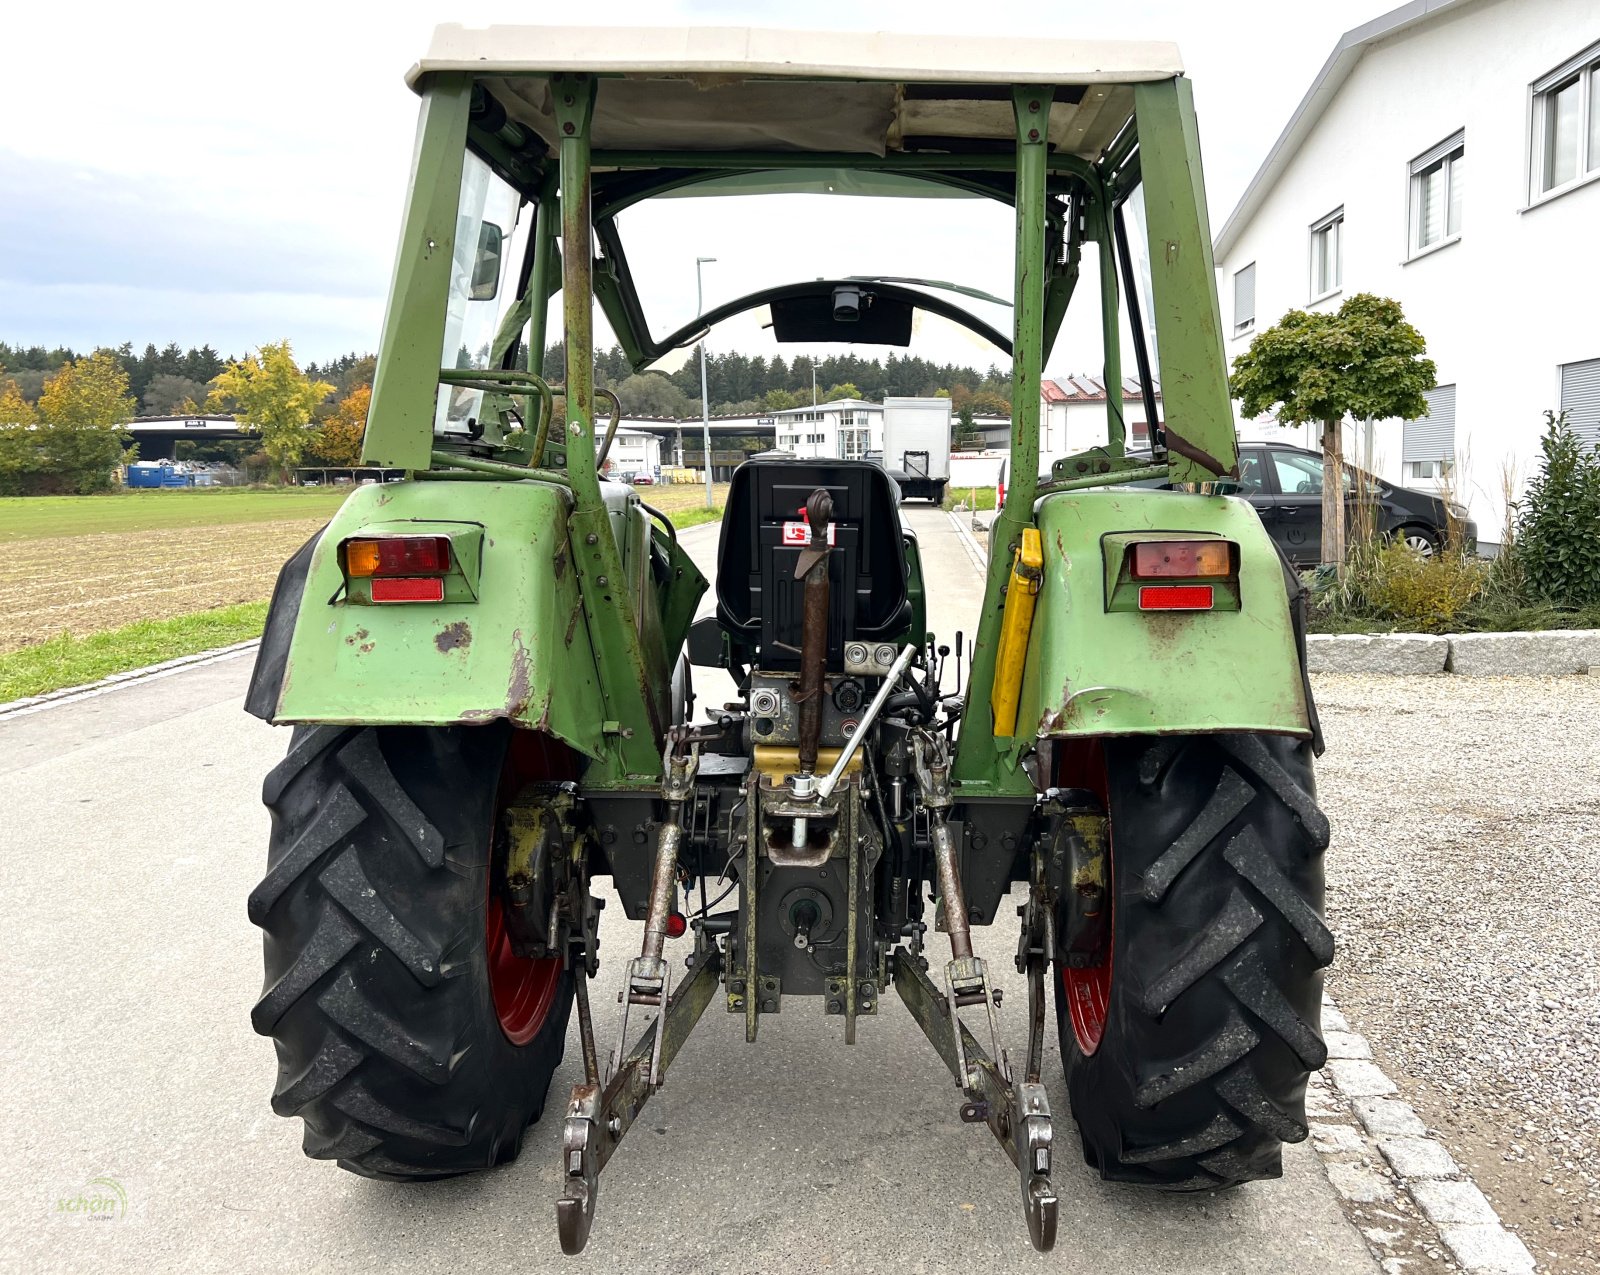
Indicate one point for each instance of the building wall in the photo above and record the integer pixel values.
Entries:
(816, 431)
(1502, 307)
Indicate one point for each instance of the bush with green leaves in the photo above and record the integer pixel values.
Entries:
(1558, 520)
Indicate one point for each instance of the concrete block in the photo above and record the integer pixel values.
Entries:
(1552, 653)
(1488, 1250)
(1358, 1079)
(1388, 1117)
(1418, 1158)
(1454, 1203)
(1396, 653)
(1346, 1044)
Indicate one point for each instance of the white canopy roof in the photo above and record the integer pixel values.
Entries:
(731, 88)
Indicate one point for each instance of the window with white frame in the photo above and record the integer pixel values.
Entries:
(853, 442)
(1244, 299)
(1428, 444)
(1438, 178)
(1566, 124)
(1580, 399)
(1327, 238)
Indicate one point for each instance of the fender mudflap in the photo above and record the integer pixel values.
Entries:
(266, 680)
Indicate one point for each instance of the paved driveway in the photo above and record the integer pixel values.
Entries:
(131, 834)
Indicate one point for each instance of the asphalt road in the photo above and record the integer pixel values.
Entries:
(131, 835)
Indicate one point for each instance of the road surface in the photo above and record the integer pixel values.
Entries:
(132, 833)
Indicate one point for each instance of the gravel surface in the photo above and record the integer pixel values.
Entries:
(1464, 890)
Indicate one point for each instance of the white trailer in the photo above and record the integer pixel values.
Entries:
(916, 445)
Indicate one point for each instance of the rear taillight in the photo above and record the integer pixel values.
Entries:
(1182, 559)
(1176, 597)
(397, 556)
(404, 589)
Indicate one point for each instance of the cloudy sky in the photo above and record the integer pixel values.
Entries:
(233, 174)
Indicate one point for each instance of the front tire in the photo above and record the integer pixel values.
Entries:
(405, 1041)
(1187, 1050)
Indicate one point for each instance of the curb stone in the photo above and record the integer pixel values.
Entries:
(68, 694)
(1547, 653)
(1407, 1194)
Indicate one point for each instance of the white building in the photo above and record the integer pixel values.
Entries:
(847, 428)
(633, 452)
(1367, 190)
(1073, 418)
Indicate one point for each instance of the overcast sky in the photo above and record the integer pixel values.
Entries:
(233, 174)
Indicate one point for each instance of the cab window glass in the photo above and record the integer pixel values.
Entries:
(1301, 475)
(1249, 473)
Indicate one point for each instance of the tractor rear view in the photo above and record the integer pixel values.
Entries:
(488, 665)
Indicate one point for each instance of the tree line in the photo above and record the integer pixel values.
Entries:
(741, 384)
(62, 413)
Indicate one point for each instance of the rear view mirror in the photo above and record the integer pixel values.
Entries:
(486, 263)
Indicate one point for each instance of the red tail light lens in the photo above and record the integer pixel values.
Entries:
(1183, 559)
(397, 556)
(426, 589)
(1175, 597)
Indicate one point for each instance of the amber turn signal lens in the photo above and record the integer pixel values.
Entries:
(397, 556)
(1183, 560)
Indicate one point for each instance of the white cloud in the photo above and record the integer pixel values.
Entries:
(241, 166)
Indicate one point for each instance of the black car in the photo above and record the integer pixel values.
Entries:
(1285, 486)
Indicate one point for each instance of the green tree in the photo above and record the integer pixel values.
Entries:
(1558, 520)
(81, 413)
(338, 441)
(14, 409)
(846, 389)
(269, 394)
(167, 393)
(1364, 360)
(651, 394)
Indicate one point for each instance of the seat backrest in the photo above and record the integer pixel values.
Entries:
(764, 531)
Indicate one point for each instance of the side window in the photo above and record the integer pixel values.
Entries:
(1250, 476)
(1301, 475)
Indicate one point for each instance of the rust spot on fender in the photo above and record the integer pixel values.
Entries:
(560, 563)
(453, 637)
(572, 624)
(360, 635)
(521, 685)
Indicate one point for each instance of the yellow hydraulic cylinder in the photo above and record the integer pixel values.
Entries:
(1027, 574)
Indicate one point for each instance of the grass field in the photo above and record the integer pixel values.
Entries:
(42, 517)
(72, 661)
(94, 585)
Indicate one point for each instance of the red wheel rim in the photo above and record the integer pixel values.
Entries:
(1087, 989)
(1088, 993)
(524, 988)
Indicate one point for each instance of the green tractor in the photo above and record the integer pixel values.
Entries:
(486, 665)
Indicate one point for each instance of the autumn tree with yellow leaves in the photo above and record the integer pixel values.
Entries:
(268, 394)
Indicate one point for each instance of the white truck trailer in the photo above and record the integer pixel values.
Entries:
(916, 445)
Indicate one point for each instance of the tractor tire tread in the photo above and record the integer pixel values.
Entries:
(1219, 947)
(376, 993)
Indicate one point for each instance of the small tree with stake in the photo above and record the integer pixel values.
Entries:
(1364, 360)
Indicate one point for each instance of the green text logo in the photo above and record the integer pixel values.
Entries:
(100, 1200)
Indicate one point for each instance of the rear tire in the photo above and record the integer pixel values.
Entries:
(378, 991)
(1209, 1009)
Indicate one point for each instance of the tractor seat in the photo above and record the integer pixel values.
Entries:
(764, 530)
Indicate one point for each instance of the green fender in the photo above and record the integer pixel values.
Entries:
(509, 641)
(1094, 670)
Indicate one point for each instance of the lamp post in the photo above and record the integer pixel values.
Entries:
(705, 402)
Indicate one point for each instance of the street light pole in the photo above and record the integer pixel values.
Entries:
(705, 402)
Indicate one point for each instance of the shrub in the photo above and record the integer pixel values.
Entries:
(1426, 594)
(1558, 520)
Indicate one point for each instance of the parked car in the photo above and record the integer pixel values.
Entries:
(643, 480)
(1284, 484)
